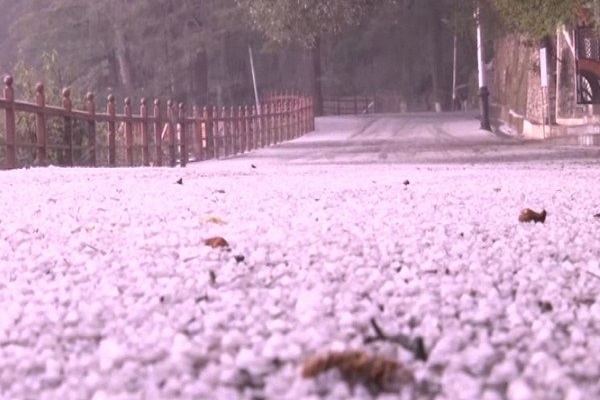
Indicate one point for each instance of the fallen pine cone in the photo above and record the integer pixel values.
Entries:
(358, 367)
(528, 215)
(216, 241)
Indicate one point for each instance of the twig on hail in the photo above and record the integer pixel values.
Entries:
(415, 346)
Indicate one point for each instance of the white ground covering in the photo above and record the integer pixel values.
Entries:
(106, 288)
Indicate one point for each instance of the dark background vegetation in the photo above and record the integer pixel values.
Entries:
(196, 51)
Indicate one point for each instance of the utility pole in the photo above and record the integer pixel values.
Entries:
(484, 93)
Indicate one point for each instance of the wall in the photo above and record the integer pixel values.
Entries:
(516, 96)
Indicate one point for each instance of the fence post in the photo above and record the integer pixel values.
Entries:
(277, 121)
(294, 114)
(288, 118)
(182, 136)
(91, 131)
(68, 125)
(128, 132)
(268, 133)
(311, 115)
(225, 136)
(253, 128)
(157, 133)
(144, 131)
(209, 138)
(245, 129)
(272, 123)
(112, 131)
(267, 126)
(217, 124)
(10, 124)
(197, 134)
(171, 116)
(40, 125)
(236, 116)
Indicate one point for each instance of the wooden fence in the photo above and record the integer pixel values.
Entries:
(156, 136)
(349, 105)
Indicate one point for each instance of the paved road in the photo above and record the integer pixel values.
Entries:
(415, 138)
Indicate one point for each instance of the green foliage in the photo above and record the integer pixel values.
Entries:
(151, 48)
(305, 20)
(537, 18)
(52, 75)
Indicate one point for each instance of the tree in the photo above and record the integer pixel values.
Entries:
(538, 18)
(150, 48)
(307, 22)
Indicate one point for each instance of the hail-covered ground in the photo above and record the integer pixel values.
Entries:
(405, 223)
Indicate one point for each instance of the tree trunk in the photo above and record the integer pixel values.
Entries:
(199, 78)
(125, 74)
(317, 77)
(436, 54)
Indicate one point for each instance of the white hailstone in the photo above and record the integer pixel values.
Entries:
(71, 318)
(442, 351)
(460, 385)
(479, 359)
(340, 390)
(181, 346)
(291, 352)
(519, 389)
(110, 353)
(578, 336)
(53, 373)
(92, 380)
(491, 395)
(273, 345)
(245, 358)
(593, 266)
(308, 304)
(504, 372)
(100, 395)
(574, 393)
(232, 339)
(277, 325)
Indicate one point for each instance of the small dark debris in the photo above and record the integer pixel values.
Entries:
(200, 299)
(597, 215)
(528, 215)
(180, 181)
(220, 191)
(253, 166)
(416, 346)
(161, 299)
(406, 182)
(419, 349)
(239, 258)
(545, 306)
(213, 277)
(216, 242)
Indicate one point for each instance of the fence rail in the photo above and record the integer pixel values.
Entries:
(156, 136)
(349, 105)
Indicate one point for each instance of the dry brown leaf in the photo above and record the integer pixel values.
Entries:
(215, 220)
(528, 215)
(216, 241)
(358, 367)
